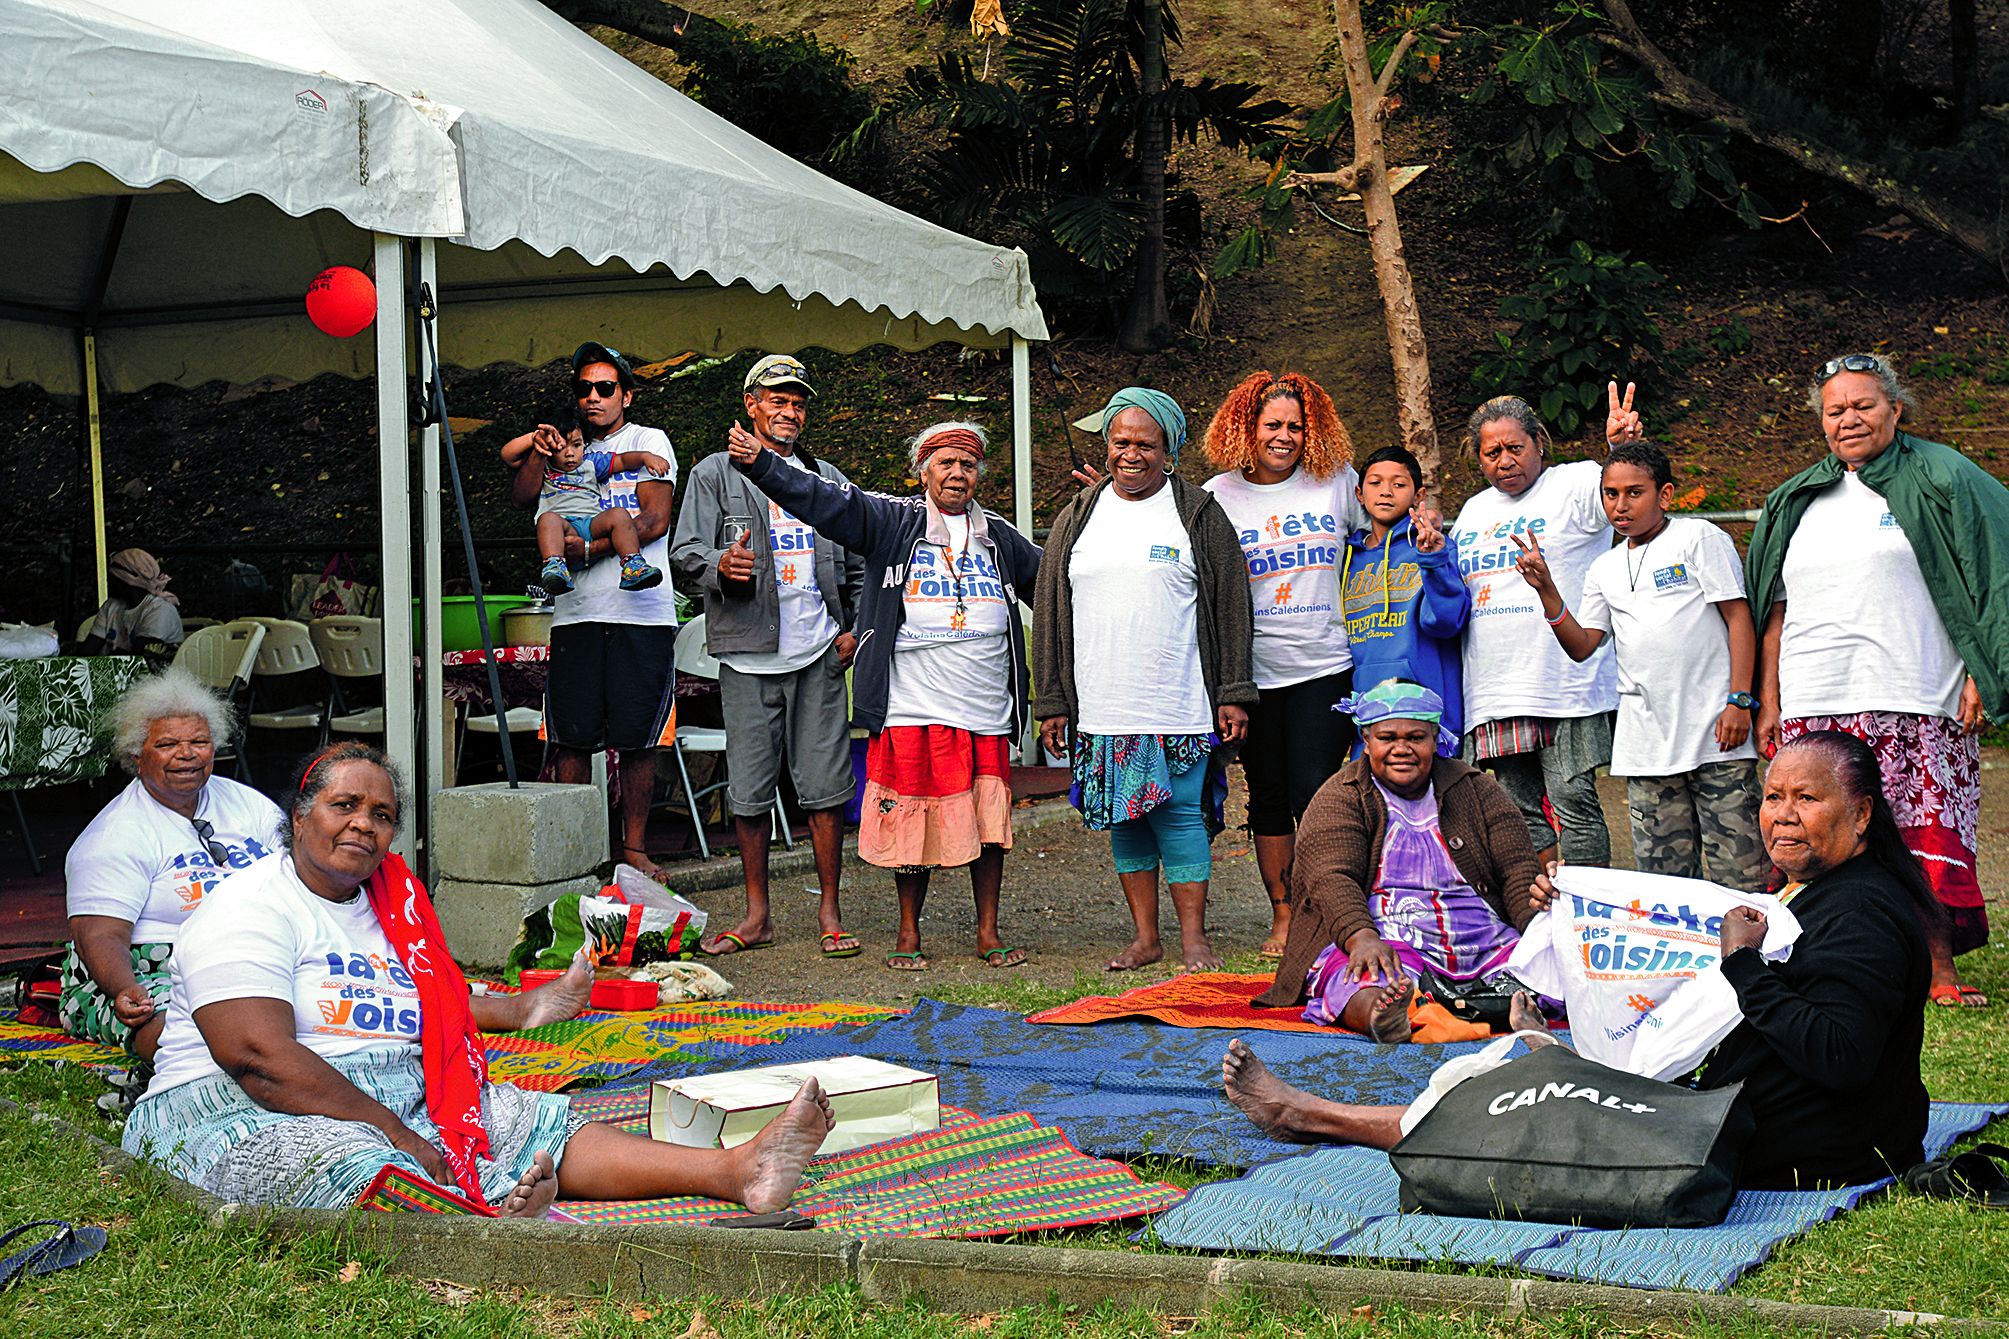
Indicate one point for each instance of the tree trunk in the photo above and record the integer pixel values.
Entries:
(1407, 351)
(651, 20)
(1964, 46)
(1689, 95)
(1147, 321)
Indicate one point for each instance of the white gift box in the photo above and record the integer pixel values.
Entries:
(871, 1099)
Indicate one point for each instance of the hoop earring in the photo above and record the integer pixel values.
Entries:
(1171, 469)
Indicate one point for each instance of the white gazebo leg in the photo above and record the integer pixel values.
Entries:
(394, 483)
(1021, 502)
(432, 688)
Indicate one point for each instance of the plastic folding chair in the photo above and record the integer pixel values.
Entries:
(351, 649)
(288, 650)
(692, 657)
(223, 658)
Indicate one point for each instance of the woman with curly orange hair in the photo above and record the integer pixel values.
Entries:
(1288, 484)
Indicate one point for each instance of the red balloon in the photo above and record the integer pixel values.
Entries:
(341, 301)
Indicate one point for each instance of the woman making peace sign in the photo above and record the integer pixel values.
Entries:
(1537, 720)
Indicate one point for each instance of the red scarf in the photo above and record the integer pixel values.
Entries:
(456, 1065)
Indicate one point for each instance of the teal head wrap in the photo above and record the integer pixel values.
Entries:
(1398, 700)
(1163, 409)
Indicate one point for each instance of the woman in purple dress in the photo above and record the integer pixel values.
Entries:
(1411, 868)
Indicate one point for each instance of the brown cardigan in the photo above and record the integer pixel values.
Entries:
(1339, 854)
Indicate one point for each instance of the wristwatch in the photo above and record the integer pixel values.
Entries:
(1744, 700)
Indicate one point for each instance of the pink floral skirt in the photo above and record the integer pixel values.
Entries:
(1932, 779)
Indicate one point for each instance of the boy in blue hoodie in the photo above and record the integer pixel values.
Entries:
(1404, 602)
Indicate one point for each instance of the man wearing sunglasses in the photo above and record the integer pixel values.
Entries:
(779, 599)
(611, 680)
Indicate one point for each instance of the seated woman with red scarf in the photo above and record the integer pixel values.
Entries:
(317, 1032)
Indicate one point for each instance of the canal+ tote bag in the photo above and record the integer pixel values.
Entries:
(1556, 1138)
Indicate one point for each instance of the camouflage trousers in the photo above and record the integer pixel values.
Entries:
(1709, 814)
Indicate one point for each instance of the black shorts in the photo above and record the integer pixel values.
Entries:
(611, 685)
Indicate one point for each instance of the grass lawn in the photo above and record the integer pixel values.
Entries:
(168, 1272)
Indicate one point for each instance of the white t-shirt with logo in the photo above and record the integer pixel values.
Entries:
(1293, 537)
(1136, 624)
(806, 625)
(952, 660)
(122, 627)
(140, 861)
(598, 597)
(1657, 603)
(1861, 632)
(266, 935)
(1513, 664)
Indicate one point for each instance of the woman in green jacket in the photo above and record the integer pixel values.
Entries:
(1877, 573)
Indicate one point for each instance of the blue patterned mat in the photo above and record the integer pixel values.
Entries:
(1343, 1202)
(1119, 1089)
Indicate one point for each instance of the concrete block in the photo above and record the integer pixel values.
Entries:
(540, 832)
(484, 920)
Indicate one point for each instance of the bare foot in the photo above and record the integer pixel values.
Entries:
(530, 1197)
(773, 1159)
(1389, 1021)
(563, 998)
(1260, 1095)
(1199, 956)
(1141, 953)
(637, 859)
(1524, 1015)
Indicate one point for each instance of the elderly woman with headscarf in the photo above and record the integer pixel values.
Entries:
(1877, 574)
(140, 617)
(150, 857)
(1287, 483)
(940, 675)
(319, 1035)
(1141, 645)
(1410, 867)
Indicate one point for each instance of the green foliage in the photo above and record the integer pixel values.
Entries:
(789, 90)
(1044, 152)
(1583, 148)
(1584, 320)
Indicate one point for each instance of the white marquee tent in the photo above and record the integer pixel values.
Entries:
(173, 172)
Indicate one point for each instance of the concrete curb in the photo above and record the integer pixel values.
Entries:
(972, 1277)
(726, 872)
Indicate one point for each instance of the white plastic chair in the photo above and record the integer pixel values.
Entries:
(692, 657)
(222, 657)
(524, 723)
(288, 649)
(351, 648)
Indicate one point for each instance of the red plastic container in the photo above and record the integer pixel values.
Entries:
(615, 994)
(620, 994)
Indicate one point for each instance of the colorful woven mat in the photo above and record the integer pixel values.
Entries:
(31, 1041)
(593, 1046)
(1199, 999)
(601, 1046)
(975, 1177)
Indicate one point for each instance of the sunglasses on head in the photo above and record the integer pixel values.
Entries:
(607, 390)
(1850, 362)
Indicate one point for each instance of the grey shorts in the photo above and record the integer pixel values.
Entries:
(802, 716)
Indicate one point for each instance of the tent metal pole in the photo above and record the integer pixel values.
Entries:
(1021, 434)
(94, 430)
(431, 650)
(394, 488)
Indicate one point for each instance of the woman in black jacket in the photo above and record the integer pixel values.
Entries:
(1828, 1049)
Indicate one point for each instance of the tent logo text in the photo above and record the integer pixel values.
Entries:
(307, 100)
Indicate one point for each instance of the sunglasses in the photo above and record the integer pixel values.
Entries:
(1849, 362)
(606, 390)
(218, 852)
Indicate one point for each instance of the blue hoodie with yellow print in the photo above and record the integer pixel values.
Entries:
(1404, 614)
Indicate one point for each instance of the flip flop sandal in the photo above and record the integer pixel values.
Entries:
(1961, 996)
(914, 962)
(996, 957)
(1972, 1175)
(738, 945)
(829, 939)
(65, 1247)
